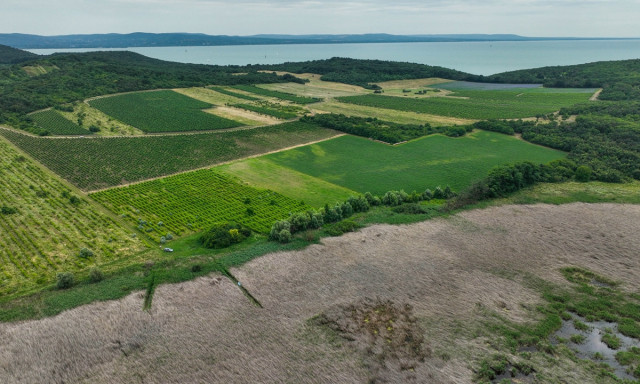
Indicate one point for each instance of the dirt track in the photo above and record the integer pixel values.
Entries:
(207, 331)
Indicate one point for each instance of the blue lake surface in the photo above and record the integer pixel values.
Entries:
(480, 58)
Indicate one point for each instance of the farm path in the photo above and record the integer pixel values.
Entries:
(450, 271)
(595, 96)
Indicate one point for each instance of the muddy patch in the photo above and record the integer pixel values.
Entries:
(386, 334)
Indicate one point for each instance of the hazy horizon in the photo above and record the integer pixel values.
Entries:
(534, 18)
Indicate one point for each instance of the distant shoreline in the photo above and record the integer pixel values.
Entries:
(142, 40)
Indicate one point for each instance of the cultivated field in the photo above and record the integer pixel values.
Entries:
(44, 224)
(473, 104)
(56, 124)
(96, 163)
(193, 201)
(455, 283)
(161, 111)
(263, 173)
(366, 166)
(402, 117)
(276, 94)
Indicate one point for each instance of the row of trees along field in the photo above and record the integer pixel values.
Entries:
(69, 77)
(386, 131)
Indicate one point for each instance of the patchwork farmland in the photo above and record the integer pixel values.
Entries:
(181, 193)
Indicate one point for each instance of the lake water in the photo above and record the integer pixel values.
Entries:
(481, 58)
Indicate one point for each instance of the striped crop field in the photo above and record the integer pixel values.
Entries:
(193, 201)
(474, 104)
(101, 162)
(44, 225)
(56, 124)
(277, 94)
(162, 111)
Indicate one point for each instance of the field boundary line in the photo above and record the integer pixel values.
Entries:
(91, 136)
(218, 164)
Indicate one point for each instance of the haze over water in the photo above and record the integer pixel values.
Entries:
(480, 58)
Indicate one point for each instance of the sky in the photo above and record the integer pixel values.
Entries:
(540, 18)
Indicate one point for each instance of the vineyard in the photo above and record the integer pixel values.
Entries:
(56, 124)
(366, 166)
(272, 109)
(279, 95)
(162, 111)
(193, 201)
(95, 163)
(472, 104)
(44, 225)
(239, 95)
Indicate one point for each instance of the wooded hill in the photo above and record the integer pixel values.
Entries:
(9, 55)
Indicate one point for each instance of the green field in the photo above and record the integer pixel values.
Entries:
(279, 95)
(401, 117)
(57, 124)
(161, 111)
(472, 104)
(193, 201)
(263, 173)
(367, 166)
(239, 95)
(95, 163)
(271, 109)
(44, 224)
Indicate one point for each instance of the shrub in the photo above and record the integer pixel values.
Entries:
(8, 210)
(222, 235)
(278, 227)
(94, 128)
(299, 221)
(284, 236)
(64, 280)
(583, 173)
(346, 209)
(95, 275)
(85, 253)
(438, 193)
(341, 227)
(168, 236)
(359, 204)
(330, 215)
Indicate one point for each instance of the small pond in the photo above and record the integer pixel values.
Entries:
(591, 345)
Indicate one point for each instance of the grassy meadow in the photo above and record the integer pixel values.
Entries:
(367, 166)
(263, 173)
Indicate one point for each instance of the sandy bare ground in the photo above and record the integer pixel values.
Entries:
(446, 269)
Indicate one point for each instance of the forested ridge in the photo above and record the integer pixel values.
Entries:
(9, 55)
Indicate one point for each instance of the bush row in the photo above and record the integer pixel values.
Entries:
(506, 179)
(283, 230)
(386, 131)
